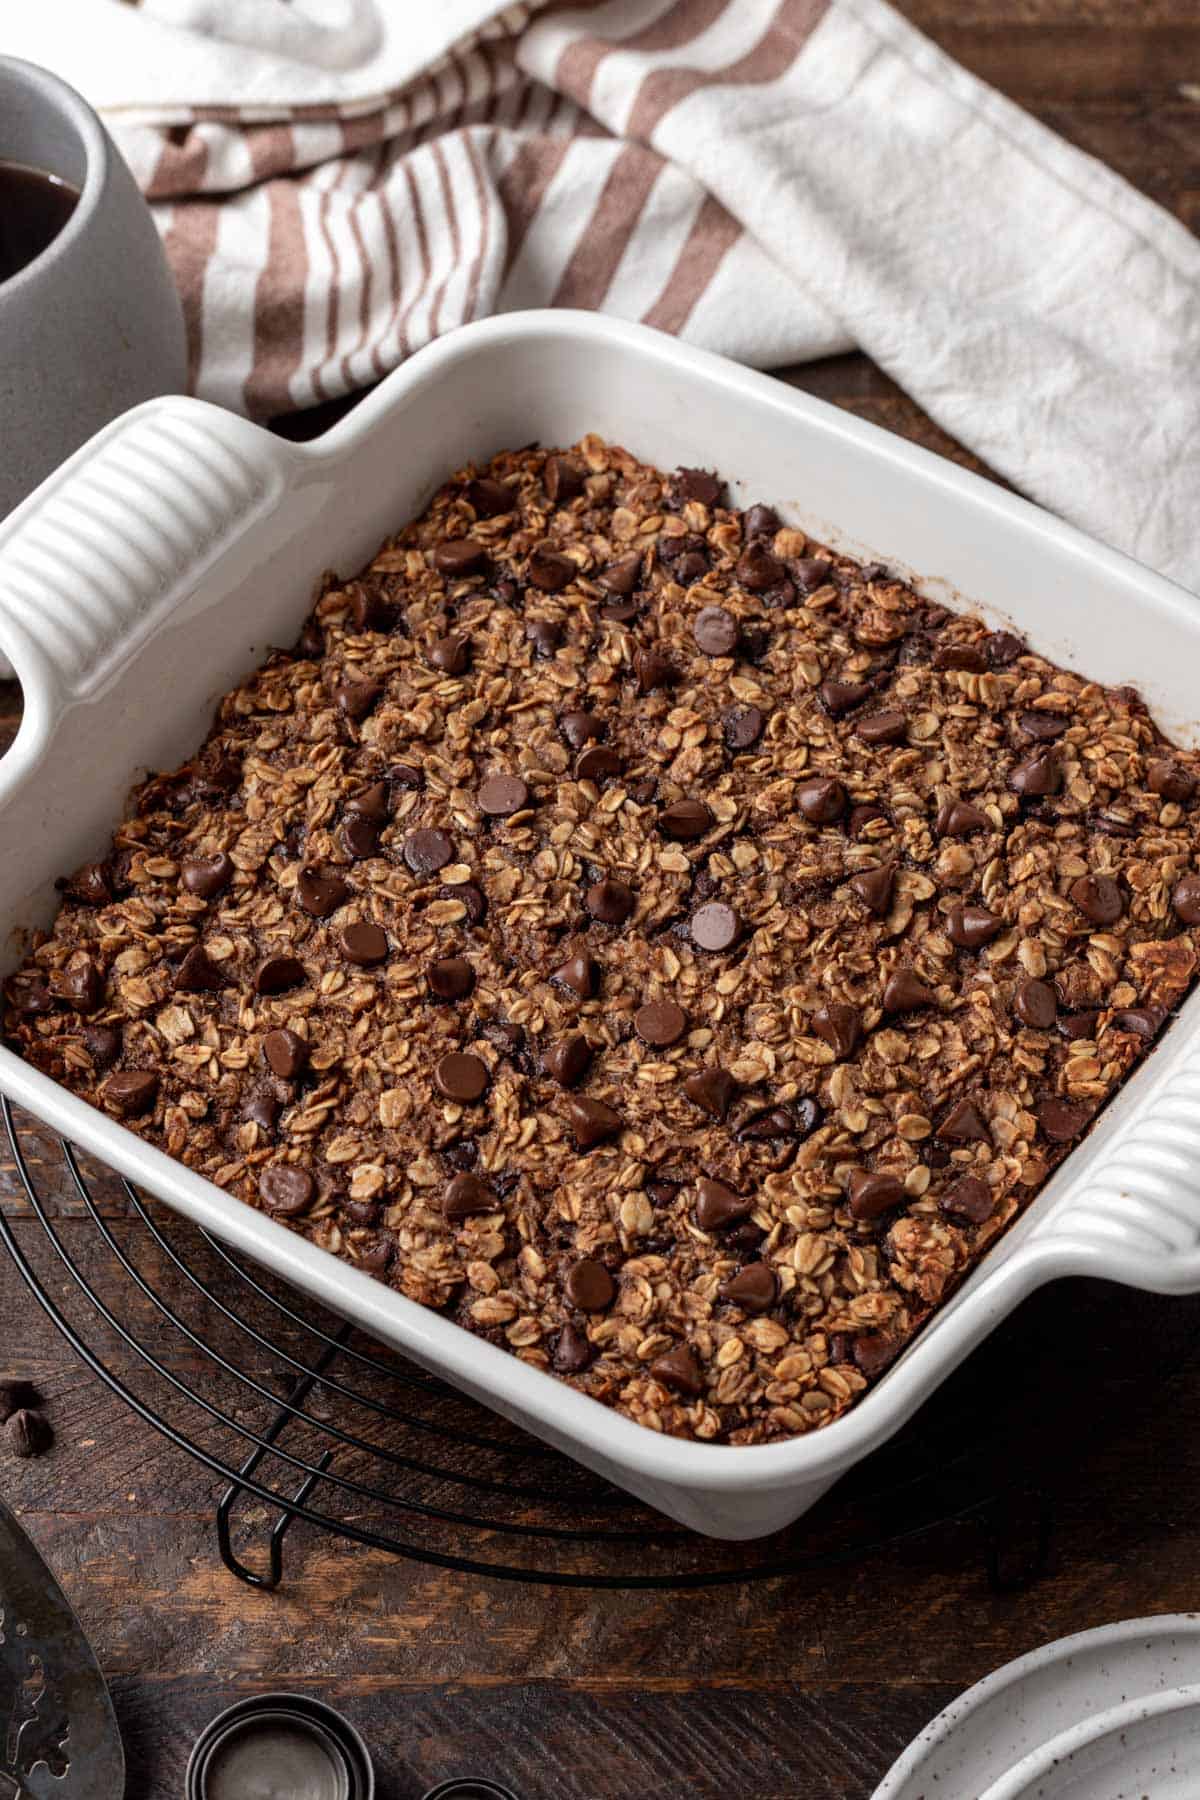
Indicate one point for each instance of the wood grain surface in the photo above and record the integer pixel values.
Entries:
(806, 1686)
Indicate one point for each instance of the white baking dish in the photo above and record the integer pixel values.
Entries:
(160, 563)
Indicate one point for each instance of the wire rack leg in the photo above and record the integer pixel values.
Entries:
(274, 1575)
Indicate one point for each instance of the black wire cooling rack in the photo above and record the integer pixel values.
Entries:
(305, 1420)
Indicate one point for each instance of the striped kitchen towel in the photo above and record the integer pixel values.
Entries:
(339, 181)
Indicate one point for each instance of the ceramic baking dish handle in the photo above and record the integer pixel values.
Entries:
(87, 569)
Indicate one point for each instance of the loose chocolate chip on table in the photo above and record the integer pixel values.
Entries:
(427, 851)
(82, 986)
(822, 800)
(275, 974)
(963, 1124)
(660, 1022)
(459, 556)
(1074, 1026)
(971, 927)
(545, 635)
(678, 1369)
(1043, 727)
(759, 521)
(1038, 775)
(360, 838)
(1142, 1021)
(563, 478)
(1098, 898)
(452, 655)
(450, 978)
(598, 763)
(716, 631)
(712, 1090)
(1170, 781)
(356, 698)
(1035, 1003)
(489, 499)
(718, 1207)
(1063, 1120)
(589, 1286)
(715, 926)
(653, 670)
(1185, 899)
(840, 697)
(958, 818)
(754, 1288)
(363, 943)
(549, 569)
(609, 901)
(28, 1433)
(593, 1122)
(103, 1045)
(466, 1195)
(622, 576)
(573, 1351)
(502, 795)
(207, 876)
(970, 1199)
(686, 819)
(321, 894)
(874, 887)
(285, 1052)
(904, 991)
(197, 973)
(969, 657)
(286, 1189)
(579, 973)
(698, 484)
(840, 1027)
(462, 1077)
(131, 1092)
(872, 1195)
(743, 727)
(758, 570)
(371, 803)
(567, 1060)
(883, 728)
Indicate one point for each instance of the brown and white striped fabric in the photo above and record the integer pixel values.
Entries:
(339, 181)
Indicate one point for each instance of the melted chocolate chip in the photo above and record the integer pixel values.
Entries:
(598, 764)
(286, 1189)
(319, 894)
(622, 577)
(1098, 898)
(489, 499)
(716, 631)
(678, 1369)
(563, 478)
(743, 726)
(549, 569)
(198, 974)
(206, 877)
(451, 655)
(1035, 1003)
(904, 992)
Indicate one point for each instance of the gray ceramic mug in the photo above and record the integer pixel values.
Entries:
(93, 325)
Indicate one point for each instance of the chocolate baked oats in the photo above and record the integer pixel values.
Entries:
(672, 949)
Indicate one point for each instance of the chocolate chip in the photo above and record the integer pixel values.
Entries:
(840, 697)
(754, 1288)
(1112, 824)
(678, 1369)
(1074, 1026)
(1098, 898)
(963, 1124)
(579, 973)
(715, 926)
(622, 576)
(198, 974)
(758, 570)
(452, 655)
(743, 727)
(131, 1092)
(549, 569)
(103, 1045)
(1043, 727)
(310, 645)
(1035, 1003)
(1171, 782)
(759, 521)
(356, 698)
(653, 670)
(404, 775)
(90, 885)
(821, 800)
(589, 1286)
(545, 635)
(970, 1199)
(872, 1195)
(426, 851)
(573, 1352)
(500, 796)
(462, 1077)
(883, 728)
(904, 991)
(82, 986)
(276, 974)
(466, 1195)
(567, 1060)
(716, 631)
(207, 876)
(810, 572)
(609, 901)
(363, 943)
(874, 887)
(368, 608)
(958, 818)
(489, 499)
(971, 927)
(458, 557)
(660, 1022)
(863, 815)
(1142, 1021)
(262, 1109)
(1185, 899)
(472, 897)
(686, 819)
(1038, 775)
(321, 894)
(718, 1207)
(563, 478)
(970, 657)
(580, 728)
(798, 1121)
(698, 484)
(643, 790)
(593, 1122)
(371, 803)
(694, 567)
(1063, 1120)
(1003, 648)
(712, 1090)
(873, 1353)
(598, 764)
(285, 1052)
(360, 838)
(29, 994)
(450, 978)
(28, 1434)
(840, 1026)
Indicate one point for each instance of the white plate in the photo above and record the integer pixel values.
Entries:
(1065, 1691)
(1144, 1750)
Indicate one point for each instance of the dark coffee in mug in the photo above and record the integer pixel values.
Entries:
(34, 207)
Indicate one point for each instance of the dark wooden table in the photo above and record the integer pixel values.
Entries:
(806, 1686)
